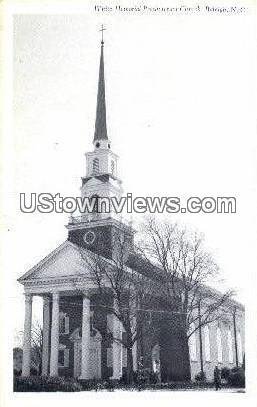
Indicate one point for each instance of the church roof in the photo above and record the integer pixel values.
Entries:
(66, 262)
(146, 268)
(100, 122)
(102, 177)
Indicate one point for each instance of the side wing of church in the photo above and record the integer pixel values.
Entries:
(77, 322)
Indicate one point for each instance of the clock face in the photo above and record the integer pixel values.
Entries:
(89, 237)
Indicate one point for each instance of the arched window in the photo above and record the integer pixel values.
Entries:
(207, 347)
(193, 345)
(95, 166)
(112, 167)
(230, 346)
(239, 348)
(95, 199)
(219, 345)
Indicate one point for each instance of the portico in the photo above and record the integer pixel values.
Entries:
(74, 291)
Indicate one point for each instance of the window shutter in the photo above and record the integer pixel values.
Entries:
(66, 322)
(61, 323)
(66, 357)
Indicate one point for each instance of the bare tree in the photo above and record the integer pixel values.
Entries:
(36, 345)
(186, 267)
(129, 288)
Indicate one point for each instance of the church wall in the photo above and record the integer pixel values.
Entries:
(72, 308)
(164, 332)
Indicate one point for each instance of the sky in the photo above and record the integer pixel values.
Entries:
(180, 115)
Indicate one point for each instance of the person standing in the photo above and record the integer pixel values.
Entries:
(217, 378)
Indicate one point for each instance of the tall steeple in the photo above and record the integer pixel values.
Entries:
(100, 122)
(96, 227)
(102, 163)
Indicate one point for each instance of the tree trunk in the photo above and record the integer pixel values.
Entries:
(130, 378)
(187, 374)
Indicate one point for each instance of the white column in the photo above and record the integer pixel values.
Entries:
(46, 334)
(116, 346)
(54, 336)
(85, 340)
(27, 336)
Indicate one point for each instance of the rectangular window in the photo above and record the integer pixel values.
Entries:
(64, 324)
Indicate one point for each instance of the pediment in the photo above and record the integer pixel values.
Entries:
(64, 261)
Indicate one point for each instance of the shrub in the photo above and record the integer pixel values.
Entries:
(142, 376)
(236, 377)
(45, 383)
(224, 373)
(99, 384)
(200, 377)
(153, 379)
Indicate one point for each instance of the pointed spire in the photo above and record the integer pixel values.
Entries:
(100, 122)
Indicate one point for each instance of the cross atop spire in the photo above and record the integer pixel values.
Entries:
(102, 30)
(100, 121)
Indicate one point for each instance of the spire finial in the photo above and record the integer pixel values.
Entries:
(102, 31)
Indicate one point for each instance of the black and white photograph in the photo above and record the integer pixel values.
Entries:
(129, 203)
